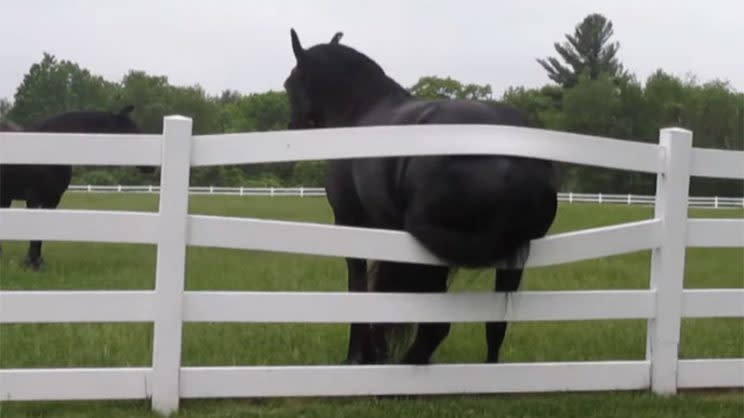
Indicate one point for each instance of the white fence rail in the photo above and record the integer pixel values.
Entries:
(569, 197)
(674, 160)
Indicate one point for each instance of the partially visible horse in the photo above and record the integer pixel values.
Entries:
(42, 186)
(470, 211)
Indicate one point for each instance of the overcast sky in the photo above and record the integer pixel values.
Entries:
(244, 45)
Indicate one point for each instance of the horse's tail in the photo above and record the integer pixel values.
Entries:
(394, 277)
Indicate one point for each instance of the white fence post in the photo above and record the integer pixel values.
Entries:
(715, 202)
(570, 197)
(668, 260)
(171, 258)
(302, 191)
(630, 198)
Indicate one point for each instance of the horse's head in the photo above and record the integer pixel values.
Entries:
(330, 84)
(122, 122)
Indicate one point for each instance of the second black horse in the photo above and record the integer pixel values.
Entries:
(42, 186)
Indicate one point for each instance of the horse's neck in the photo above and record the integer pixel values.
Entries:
(388, 94)
(394, 92)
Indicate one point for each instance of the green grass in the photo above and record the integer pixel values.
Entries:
(113, 266)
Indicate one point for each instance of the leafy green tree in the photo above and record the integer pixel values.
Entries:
(222, 176)
(268, 111)
(591, 106)
(193, 102)
(53, 86)
(5, 107)
(586, 51)
(309, 173)
(542, 106)
(666, 97)
(431, 87)
(715, 114)
(228, 96)
(154, 97)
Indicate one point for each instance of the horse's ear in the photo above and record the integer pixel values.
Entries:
(126, 110)
(336, 38)
(299, 53)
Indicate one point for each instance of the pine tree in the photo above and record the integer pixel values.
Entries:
(586, 51)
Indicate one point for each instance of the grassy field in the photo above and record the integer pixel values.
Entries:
(113, 266)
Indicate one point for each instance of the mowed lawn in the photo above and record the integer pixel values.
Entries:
(115, 266)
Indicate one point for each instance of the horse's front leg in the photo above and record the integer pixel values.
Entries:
(359, 351)
(34, 261)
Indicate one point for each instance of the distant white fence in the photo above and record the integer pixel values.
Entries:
(570, 197)
(172, 229)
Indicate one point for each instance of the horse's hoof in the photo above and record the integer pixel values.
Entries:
(351, 361)
(492, 357)
(34, 265)
(355, 361)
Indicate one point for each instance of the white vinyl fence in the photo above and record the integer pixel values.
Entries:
(570, 197)
(172, 229)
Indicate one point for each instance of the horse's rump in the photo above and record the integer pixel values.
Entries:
(474, 210)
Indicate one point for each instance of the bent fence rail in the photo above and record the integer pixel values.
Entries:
(168, 306)
(570, 197)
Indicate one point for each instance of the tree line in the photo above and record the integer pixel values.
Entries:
(589, 92)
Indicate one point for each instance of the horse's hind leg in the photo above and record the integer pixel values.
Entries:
(423, 279)
(507, 280)
(428, 338)
(359, 351)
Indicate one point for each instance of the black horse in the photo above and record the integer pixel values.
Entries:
(42, 186)
(470, 211)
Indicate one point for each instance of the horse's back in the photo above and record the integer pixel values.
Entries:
(47, 183)
(444, 111)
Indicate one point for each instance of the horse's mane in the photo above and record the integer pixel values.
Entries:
(353, 67)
